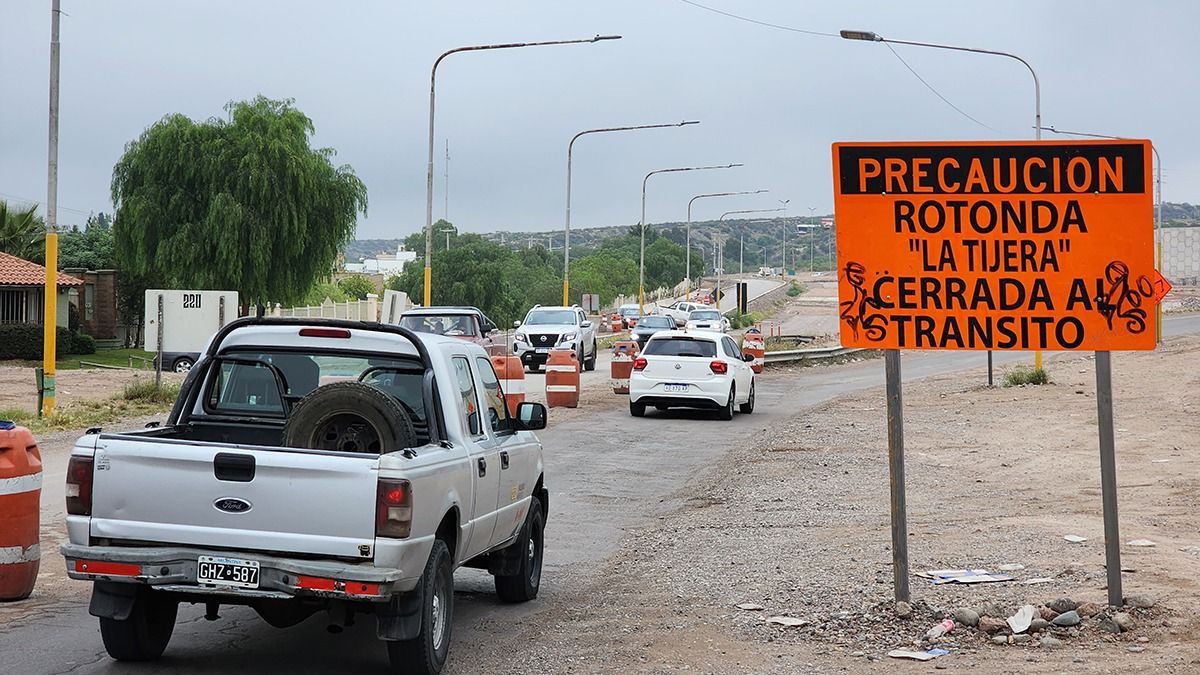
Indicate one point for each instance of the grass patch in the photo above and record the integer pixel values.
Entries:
(609, 342)
(106, 357)
(145, 391)
(138, 399)
(1026, 375)
(795, 289)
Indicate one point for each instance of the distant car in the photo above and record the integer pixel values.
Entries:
(629, 315)
(707, 319)
(649, 325)
(699, 369)
(546, 328)
(468, 323)
(680, 311)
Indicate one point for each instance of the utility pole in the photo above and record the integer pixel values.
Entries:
(50, 291)
(446, 184)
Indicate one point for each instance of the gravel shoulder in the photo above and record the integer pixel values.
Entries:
(797, 521)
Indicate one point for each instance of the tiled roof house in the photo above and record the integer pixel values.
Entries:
(21, 283)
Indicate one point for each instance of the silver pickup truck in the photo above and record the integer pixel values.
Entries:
(308, 466)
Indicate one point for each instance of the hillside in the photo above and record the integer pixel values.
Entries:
(761, 237)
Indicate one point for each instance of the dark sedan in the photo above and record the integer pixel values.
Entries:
(649, 325)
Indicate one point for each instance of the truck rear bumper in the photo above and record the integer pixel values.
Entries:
(174, 569)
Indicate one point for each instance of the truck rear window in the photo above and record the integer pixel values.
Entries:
(251, 384)
(681, 346)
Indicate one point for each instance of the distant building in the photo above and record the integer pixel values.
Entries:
(387, 264)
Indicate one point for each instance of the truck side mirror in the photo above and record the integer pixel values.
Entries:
(531, 416)
(516, 324)
(586, 324)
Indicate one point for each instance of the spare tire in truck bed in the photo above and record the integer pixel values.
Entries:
(349, 417)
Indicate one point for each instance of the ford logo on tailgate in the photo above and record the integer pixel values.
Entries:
(232, 505)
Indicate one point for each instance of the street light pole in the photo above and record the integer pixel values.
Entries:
(1037, 104)
(1037, 87)
(429, 173)
(50, 290)
(720, 233)
(567, 229)
(687, 284)
(642, 254)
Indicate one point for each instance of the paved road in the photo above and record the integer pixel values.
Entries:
(606, 472)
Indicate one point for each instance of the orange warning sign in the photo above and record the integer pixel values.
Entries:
(995, 245)
(1161, 287)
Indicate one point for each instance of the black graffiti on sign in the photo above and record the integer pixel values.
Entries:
(859, 311)
(1122, 299)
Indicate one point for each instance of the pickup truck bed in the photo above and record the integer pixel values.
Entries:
(312, 465)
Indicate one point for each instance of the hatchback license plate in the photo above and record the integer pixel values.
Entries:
(675, 388)
(215, 571)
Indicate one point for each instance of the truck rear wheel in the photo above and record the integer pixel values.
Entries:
(523, 586)
(144, 634)
(349, 417)
(426, 653)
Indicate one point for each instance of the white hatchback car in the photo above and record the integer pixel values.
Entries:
(707, 319)
(691, 369)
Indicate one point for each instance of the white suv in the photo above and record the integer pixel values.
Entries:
(546, 328)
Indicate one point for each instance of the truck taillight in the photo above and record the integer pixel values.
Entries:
(79, 486)
(393, 508)
(640, 363)
(719, 367)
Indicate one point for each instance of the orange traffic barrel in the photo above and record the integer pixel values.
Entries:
(20, 511)
(752, 343)
(562, 379)
(624, 352)
(511, 374)
(616, 323)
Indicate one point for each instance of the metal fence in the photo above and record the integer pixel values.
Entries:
(354, 310)
(1181, 256)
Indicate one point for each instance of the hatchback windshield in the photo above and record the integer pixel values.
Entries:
(550, 317)
(681, 346)
(656, 322)
(705, 315)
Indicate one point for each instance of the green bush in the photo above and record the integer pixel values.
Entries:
(82, 343)
(24, 341)
(794, 290)
(1025, 375)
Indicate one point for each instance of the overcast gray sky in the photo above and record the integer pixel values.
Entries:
(770, 98)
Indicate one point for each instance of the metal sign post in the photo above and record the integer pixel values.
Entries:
(159, 361)
(895, 421)
(1108, 476)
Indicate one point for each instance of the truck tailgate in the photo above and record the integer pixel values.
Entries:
(234, 497)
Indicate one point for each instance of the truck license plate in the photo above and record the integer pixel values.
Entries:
(541, 350)
(675, 388)
(215, 571)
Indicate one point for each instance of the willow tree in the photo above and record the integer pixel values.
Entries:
(242, 203)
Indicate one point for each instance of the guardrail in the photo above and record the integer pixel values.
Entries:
(814, 354)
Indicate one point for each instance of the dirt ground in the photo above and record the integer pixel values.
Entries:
(797, 522)
(18, 389)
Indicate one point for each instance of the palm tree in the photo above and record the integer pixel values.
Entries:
(22, 232)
